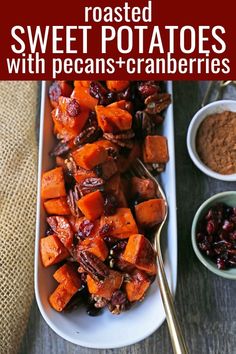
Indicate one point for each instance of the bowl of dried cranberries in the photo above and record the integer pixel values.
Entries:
(214, 234)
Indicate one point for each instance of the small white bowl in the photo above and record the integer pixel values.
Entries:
(211, 108)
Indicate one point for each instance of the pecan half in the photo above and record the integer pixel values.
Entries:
(88, 135)
(93, 265)
(99, 301)
(90, 185)
(123, 139)
(60, 149)
(72, 197)
(70, 165)
(157, 103)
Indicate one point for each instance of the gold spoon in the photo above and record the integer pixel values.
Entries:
(177, 339)
(221, 87)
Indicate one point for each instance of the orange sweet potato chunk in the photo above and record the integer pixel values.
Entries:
(150, 212)
(140, 253)
(64, 133)
(62, 295)
(155, 149)
(92, 205)
(143, 188)
(81, 174)
(89, 156)
(95, 245)
(62, 228)
(118, 104)
(63, 119)
(106, 144)
(82, 95)
(117, 85)
(112, 119)
(52, 250)
(53, 185)
(122, 223)
(137, 286)
(57, 206)
(82, 83)
(68, 272)
(107, 287)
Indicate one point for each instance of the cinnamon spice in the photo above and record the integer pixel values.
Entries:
(216, 142)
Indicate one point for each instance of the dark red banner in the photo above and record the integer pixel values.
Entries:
(116, 39)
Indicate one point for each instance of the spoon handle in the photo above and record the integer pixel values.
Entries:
(177, 339)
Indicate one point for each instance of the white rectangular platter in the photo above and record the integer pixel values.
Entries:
(105, 330)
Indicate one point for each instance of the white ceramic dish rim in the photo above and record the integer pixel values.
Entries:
(207, 262)
(173, 263)
(200, 115)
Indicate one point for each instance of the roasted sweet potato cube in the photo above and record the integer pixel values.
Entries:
(150, 212)
(53, 185)
(95, 245)
(122, 223)
(107, 287)
(108, 145)
(52, 250)
(82, 83)
(92, 205)
(62, 228)
(68, 272)
(122, 104)
(62, 295)
(137, 286)
(112, 119)
(82, 95)
(89, 156)
(117, 85)
(57, 89)
(81, 174)
(64, 133)
(143, 188)
(109, 168)
(140, 253)
(70, 114)
(155, 149)
(57, 206)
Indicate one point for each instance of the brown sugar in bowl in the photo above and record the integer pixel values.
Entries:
(211, 140)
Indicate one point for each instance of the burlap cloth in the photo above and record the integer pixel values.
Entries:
(18, 157)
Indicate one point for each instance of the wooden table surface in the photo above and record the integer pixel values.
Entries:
(206, 303)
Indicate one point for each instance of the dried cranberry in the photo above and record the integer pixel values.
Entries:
(216, 236)
(110, 204)
(148, 88)
(73, 108)
(211, 227)
(85, 229)
(228, 226)
(98, 91)
(105, 230)
(221, 264)
(118, 248)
